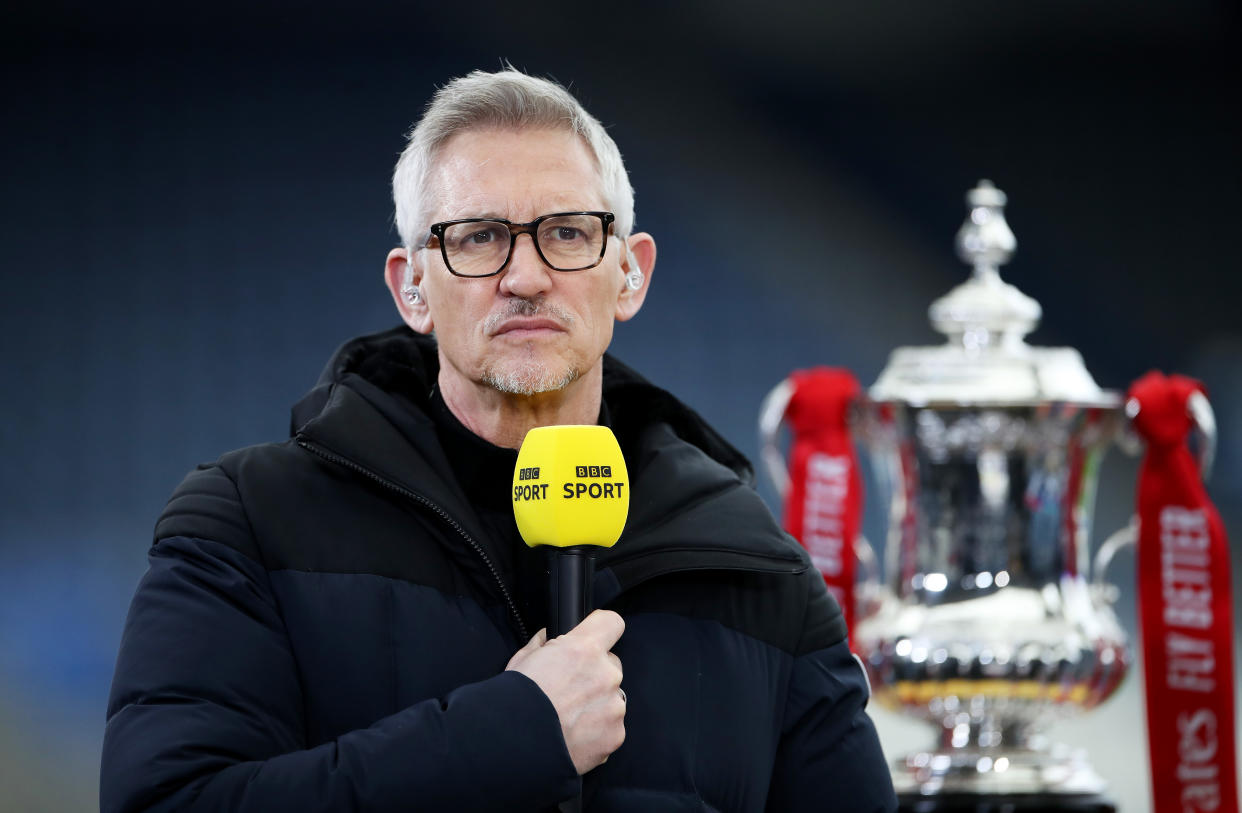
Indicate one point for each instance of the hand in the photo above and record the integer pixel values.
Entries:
(583, 680)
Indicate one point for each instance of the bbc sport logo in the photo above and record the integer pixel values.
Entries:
(594, 471)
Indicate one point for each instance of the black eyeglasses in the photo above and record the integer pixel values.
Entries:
(482, 247)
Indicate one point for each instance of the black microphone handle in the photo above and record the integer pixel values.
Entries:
(571, 571)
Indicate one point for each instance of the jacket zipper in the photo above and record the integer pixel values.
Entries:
(444, 515)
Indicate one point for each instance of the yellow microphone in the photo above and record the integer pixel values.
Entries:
(571, 492)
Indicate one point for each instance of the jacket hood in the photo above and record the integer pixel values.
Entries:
(402, 362)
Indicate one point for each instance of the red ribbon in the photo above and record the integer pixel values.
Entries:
(1185, 616)
(824, 505)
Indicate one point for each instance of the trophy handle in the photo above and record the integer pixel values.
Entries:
(870, 593)
(1205, 422)
(771, 413)
(1126, 537)
(1204, 418)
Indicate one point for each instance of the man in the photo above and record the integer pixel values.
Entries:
(344, 621)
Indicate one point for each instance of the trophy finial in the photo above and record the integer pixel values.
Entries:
(985, 311)
(986, 359)
(985, 241)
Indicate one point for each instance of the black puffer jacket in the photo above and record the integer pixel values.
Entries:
(322, 628)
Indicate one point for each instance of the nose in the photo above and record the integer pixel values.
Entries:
(526, 275)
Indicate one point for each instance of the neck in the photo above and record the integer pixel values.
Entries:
(503, 419)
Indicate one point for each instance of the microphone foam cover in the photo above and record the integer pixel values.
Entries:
(570, 487)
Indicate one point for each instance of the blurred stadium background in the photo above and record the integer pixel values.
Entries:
(196, 213)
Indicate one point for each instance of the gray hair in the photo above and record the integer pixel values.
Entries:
(507, 99)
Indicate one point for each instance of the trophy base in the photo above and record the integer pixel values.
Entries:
(1004, 803)
(1015, 779)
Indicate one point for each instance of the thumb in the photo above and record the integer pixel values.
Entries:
(539, 639)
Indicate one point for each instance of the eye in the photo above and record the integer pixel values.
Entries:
(477, 236)
(566, 233)
(482, 235)
(565, 230)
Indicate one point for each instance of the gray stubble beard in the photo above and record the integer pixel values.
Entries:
(530, 377)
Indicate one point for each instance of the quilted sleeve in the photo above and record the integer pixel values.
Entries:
(829, 755)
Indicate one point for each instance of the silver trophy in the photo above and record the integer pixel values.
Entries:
(991, 621)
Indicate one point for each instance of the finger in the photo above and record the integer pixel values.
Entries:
(616, 663)
(536, 641)
(603, 626)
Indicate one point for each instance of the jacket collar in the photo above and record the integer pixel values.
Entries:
(404, 363)
(688, 484)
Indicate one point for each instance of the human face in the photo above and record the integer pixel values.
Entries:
(529, 329)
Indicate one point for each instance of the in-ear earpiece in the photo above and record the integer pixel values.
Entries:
(633, 279)
(408, 289)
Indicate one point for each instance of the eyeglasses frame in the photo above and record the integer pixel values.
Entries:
(515, 229)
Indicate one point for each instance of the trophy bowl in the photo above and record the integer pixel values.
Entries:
(988, 626)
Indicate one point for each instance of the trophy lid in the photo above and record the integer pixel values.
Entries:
(986, 360)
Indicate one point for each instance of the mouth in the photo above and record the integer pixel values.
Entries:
(518, 327)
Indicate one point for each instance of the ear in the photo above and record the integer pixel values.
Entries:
(400, 271)
(642, 253)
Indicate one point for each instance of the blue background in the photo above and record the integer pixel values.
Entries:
(196, 212)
